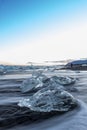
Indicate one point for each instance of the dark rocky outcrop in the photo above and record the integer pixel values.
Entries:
(77, 65)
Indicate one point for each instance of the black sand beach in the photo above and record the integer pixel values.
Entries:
(12, 117)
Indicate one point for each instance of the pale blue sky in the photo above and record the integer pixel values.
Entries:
(39, 30)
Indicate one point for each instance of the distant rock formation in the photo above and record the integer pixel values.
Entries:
(77, 65)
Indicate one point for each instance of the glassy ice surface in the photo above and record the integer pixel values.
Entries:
(49, 99)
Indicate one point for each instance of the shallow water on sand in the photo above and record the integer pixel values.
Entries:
(75, 120)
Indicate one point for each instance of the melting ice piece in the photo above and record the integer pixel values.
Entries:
(50, 99)
(64, 80)
(51, 82)
(38, 75)
(2, 70)
(60, 82)
(33, 82)
(39, 81)
(29, 84)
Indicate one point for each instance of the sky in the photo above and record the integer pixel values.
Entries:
(42, 30)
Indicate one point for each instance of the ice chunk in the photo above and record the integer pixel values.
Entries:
(2, 70)
(39, 80)
(64, 80)
(51, 82)
(37, 83)
(49, 99)
(29, 84)
(33, 82)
